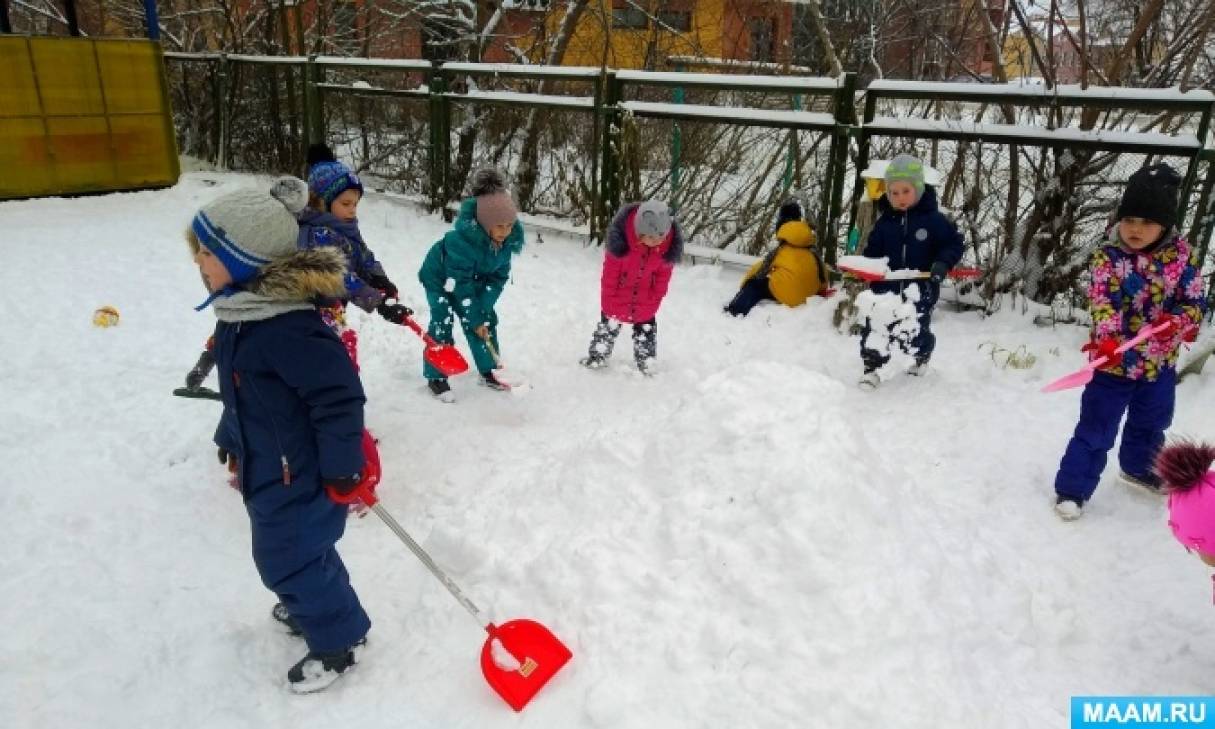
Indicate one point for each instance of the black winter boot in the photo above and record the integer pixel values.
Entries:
(316, 671)
(493, 383)
(441, 390)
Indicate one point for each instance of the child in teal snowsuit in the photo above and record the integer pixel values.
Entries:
(464, 274)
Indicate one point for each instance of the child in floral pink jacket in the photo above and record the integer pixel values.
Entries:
(1145, 273)
(643, 246)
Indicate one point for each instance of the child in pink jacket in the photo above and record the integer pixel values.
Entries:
(643, 246)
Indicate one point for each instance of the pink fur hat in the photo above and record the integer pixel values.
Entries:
(1184, 470)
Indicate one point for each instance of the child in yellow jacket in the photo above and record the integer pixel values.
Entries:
(789, 274)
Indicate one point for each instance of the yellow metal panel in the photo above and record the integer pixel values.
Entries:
(130, 75)
(18, 92)
(67, 76)
(24, 158)
(71, 142)
(80, 147)
(142, 154)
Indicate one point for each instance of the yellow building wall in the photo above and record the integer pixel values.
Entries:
(627, 48)
(83, 115)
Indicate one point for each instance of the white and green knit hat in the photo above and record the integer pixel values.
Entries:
(906, 168)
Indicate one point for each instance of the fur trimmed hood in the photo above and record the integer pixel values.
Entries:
(302, 276)
(621, 237)
(287, 284)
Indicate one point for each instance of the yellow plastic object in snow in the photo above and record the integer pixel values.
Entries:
(83, 115)
(105, 317)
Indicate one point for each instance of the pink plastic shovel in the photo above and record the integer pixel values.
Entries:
(1084, 375)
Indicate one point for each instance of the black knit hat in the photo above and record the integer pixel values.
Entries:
(1151, 194)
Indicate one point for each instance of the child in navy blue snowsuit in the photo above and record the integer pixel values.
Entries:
(293, 413)
(1144, 273)
(912, 233)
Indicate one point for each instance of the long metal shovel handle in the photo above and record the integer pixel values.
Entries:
(421, 554)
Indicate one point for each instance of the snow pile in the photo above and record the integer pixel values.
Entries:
(745, 539)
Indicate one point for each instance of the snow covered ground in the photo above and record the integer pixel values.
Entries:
(745, 540)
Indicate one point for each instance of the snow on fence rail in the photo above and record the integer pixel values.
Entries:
(1065, 95)
(731, 81)
(609, 105)
(732, 115)
(1150, 142)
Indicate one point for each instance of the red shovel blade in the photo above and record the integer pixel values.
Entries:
(539, 653)
(862, 274)
(446, 359)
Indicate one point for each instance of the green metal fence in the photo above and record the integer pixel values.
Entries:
(416, 122)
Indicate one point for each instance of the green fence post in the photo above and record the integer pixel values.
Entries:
(862, 155)
(450, 192)
(316, 77)
(833, 187)
(1203, 225)
(609, 172)
(1187, 186)
(791, 155)
(217, 106)
(596, 135)
(676, 144)
(310, 136)
(222, 111)
(438, 185)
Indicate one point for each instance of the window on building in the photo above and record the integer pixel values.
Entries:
(680, 20)
(439, 40)
(626, 16)
(346, 27)
(763, 39)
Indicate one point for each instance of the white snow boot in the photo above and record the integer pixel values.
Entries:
(1068, 509)
(869, 381)
(917, 369)
(316, 671)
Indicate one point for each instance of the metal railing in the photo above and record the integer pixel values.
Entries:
(607, 99)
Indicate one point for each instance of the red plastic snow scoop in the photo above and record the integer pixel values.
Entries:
(443, 357)
(958, 274)
(528, 654)
(1084, 375)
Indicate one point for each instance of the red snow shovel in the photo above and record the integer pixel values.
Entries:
(533, 654)
(443, 357)
(1084, 375)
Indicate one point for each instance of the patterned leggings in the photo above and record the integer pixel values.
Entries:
(334, 315)
(645, 340)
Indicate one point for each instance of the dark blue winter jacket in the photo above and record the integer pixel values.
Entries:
(914, 239)
(324, 229)
(293, 407)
